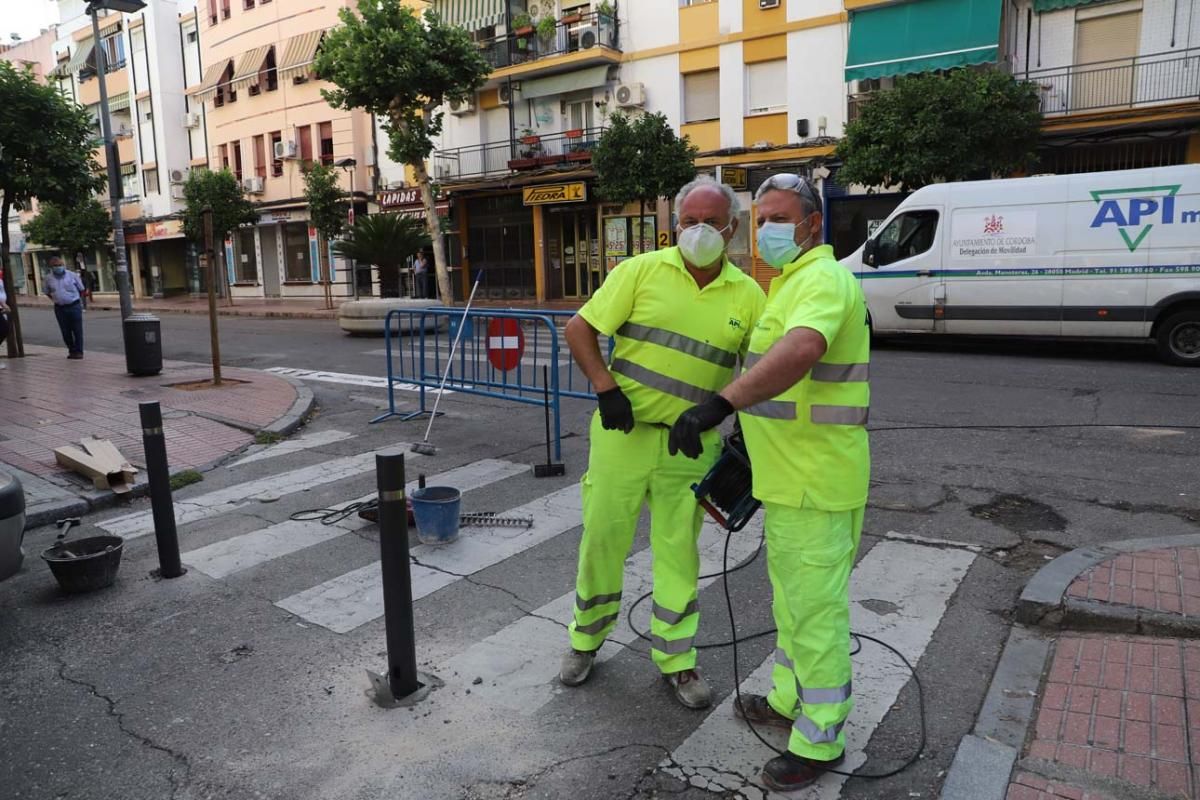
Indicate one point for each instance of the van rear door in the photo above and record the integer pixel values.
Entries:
(900, 271)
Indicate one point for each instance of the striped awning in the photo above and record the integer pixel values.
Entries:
(60, 71)
(212, 75)
(470, 14)
(118, 102)
(83, 51)
(249, 64)
(299, 53)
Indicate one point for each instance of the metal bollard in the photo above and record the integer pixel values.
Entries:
(159, 475)
(402, 676)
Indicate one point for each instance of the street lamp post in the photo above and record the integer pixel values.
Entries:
(349, 164)
(110, 150)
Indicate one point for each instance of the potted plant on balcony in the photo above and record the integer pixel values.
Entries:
(522, 25)
(571, 17)
(605, 10)
(531, 147)
(547, 26)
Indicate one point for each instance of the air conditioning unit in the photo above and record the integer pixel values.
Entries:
(631, 95)
(443, 170)
(286, 149)
(177, 176)
(177, 191)
(191, 119)
(589, 36)
(506, 92)
(461, 107)
(253, 185)
(765, 4)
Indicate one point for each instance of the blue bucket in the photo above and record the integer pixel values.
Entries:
(436, 510)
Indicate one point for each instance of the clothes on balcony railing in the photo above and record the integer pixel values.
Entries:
(922, 36)
(588, 78)
(471, 14)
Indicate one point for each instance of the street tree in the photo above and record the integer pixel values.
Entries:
(82, 227)
(385, 241)
(46, 153)
(327, 212)
(403, 68)
(642, 160)
(964, 125)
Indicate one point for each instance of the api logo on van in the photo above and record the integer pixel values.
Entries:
(1138, 210)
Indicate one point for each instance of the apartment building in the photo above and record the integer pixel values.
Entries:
(266, 122)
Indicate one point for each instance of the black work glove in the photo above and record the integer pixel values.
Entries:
(616, 412)
(685, 433)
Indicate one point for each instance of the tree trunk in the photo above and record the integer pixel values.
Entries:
(326, 268)
(434, 226)
(15, 344)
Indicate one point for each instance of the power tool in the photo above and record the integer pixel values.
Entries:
(726, 491)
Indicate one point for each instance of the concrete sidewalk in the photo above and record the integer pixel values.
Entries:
(47, 401)
(290, 308)
(1114, 707)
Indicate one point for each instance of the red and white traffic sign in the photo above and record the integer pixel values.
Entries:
(505, 343)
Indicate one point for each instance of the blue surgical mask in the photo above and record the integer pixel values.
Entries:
(59, 271)
(777, 243)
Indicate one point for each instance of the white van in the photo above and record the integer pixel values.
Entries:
(1102, 254)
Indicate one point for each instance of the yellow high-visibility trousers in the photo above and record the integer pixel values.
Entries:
(810, 554)
(624, 472)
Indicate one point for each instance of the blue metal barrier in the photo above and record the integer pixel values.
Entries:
(417, 361)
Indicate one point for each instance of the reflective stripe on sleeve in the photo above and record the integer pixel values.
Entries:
(664, 383)
(677, 341)
(840, 415)
(839, 373)
(675, 617)
(598, 600)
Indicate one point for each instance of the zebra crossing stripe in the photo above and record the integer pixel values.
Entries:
(303, 442)
(238, 553)
(272, 487)
(899, 592)
(356, 598)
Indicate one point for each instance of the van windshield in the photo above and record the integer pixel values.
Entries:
(908, 235)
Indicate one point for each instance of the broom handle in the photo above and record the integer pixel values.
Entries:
(450, 360)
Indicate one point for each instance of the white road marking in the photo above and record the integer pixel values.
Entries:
(347, 378)
(503, 342)
(519, 663)
(356, 598)
(916, 584)
(238, 553)
(303, 442)
(265, 489)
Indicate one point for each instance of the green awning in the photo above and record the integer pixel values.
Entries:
(1053, 5)
(566, 82)
(922, 36)
(118, 102)
(83, 51)
(470, 15)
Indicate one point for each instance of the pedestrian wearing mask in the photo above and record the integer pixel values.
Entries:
(66, 290)
(680, 319)
(803, 407)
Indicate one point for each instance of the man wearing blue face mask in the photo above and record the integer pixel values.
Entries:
(680, 319)
(803, 408)
(66, 290)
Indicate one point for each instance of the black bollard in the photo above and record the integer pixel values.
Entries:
(397, 581)
(159, 475)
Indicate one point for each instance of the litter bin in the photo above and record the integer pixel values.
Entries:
(12, 524)
(143, 344)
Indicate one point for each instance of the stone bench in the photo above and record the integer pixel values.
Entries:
(366, 317)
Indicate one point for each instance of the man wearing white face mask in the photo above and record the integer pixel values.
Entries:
(680, 317)
(803, 408)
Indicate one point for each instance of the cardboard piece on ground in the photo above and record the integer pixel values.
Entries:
(100, 461)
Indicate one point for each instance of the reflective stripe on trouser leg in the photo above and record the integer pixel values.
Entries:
(810, 554)
(614, 489)
(675, 519)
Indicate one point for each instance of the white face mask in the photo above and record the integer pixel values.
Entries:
(702, 244)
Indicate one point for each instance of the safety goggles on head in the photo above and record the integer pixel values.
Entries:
(790, 182)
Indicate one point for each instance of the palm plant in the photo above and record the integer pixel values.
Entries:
(385, 241)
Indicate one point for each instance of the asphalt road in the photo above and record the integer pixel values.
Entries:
(209, 687)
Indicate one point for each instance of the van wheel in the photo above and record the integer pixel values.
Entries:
(1179, 339)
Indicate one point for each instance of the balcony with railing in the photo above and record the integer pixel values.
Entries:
(593, 34)
(559, 151)
(1147, 80)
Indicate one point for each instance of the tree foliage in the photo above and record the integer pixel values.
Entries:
(48, 144)
(326, 204)
(384, 240)
(221, 192)
(642, 160)
(82, 227)
(402, 67)
(966, 124)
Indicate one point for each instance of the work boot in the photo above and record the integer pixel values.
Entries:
(755, 709)
(789, 772)
(576, 666)
(690, 688)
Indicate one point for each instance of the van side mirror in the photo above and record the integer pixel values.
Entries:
(869, 251)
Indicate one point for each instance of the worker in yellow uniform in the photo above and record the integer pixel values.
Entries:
(803, 408)
(680, 319)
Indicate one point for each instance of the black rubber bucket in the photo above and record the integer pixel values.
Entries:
(84, 565)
